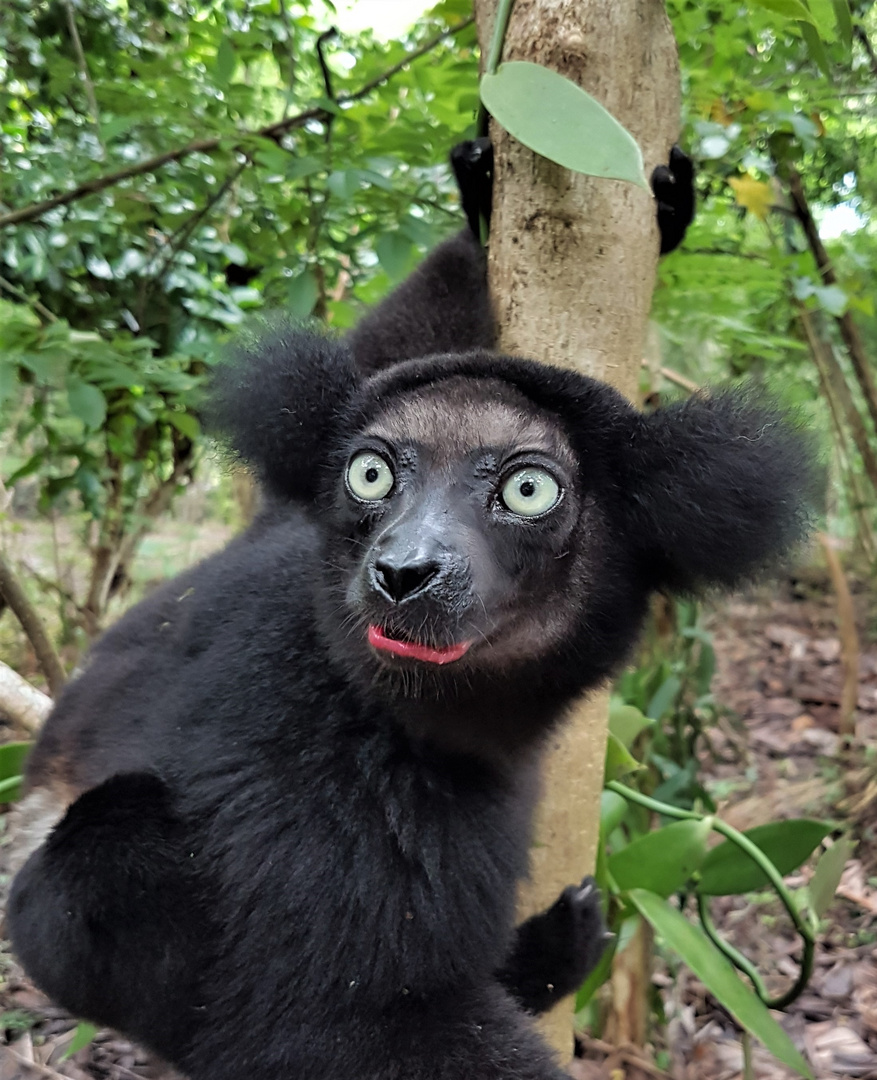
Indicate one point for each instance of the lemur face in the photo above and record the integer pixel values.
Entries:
(463, 512)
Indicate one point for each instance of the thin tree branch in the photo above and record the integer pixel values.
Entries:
(208, 146)
(181, 235)
(290, 81)
(84, 72)
(849, 638)
(862, 35)
(21, 702)
(833, 376)
(32, 624)
(848, 329)
(20, 294)
(754, 255)
(856, 482)
(326, 35)
(676, 378)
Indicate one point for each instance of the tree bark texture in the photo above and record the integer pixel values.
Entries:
(572, 266)
(22, 703)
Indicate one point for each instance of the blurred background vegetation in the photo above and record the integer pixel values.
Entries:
(168, 169)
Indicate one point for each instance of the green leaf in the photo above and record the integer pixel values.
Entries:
(301, 296)
(551, 115)
(98, 267)
(12, 758)
(343, 183)
(186, 424)
(626, 721)
(272, 157)
(823, 14)
(789, 9)
(394, 251)
(815, 48)
(613, 808)
(718, 976)
(844, 22)
(226, 61)
(728, 870)
(82, 1036)
(619, 760)
(827, 875)
(86, 402)
(662, 861)
(115, 126)
(664, 697)
(300, 168)
(32, 465)
(8, 381)
(832, 299)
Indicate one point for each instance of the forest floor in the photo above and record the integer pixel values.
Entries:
(775, 754)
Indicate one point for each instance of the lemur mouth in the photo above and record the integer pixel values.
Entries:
(414, 650)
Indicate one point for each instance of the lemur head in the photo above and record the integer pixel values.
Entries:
(493, 526)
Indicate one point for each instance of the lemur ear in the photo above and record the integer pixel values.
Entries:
(720, 487)
(276, 401)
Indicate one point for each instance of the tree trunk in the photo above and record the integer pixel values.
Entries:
(572, 267)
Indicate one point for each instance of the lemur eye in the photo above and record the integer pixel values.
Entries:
(530, 492)
(369, 477)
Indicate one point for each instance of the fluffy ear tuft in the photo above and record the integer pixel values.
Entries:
(723, 485)
(276, 401)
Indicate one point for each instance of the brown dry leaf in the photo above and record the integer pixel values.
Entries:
(787, 636)
(837, 1049)
(802, 722)
(837, 983)
(865, 995)
(827, 650)
(853, 886)
(581, 1069)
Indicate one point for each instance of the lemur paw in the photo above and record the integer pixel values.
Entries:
(673, 186)
(472, 162)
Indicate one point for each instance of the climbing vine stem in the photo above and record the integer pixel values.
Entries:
(494, 54)
(771, 873)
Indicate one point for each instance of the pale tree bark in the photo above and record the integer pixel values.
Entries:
(572, 268)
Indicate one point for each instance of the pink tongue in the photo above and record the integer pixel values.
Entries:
(410, 649)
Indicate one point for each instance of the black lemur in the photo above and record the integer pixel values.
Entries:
(302, 774)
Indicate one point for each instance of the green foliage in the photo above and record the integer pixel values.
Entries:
(82, 1036)
(718, 976)
(666, 700)
(225, 171)
(12, 759)
(780, 84)
(654, 853)
(80, 402)
(662, 861)
(827, 874)
(727, 869)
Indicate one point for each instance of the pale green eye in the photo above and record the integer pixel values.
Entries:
(530, 492)
(369, 477)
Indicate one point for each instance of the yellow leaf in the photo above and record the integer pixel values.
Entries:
(753, 195)
(724, 112)
(817, 120)
(719, 113)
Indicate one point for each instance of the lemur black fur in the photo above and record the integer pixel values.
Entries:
(302, 774)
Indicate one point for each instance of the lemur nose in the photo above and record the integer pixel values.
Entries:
(403, 579)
